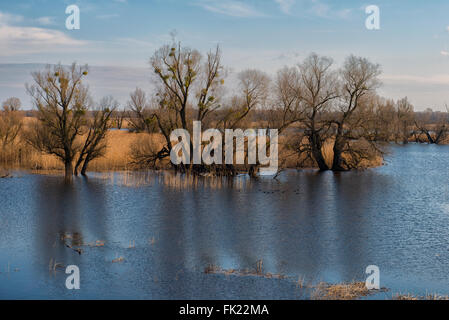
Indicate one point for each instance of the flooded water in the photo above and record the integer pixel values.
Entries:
(164, 230)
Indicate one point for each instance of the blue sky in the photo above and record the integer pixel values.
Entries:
(412, 45)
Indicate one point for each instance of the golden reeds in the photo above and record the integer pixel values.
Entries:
(121, 144)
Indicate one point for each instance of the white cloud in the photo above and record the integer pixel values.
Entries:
(46, 21)
(323, 10)
(230, 8)
(136, 42)
(436, 79)
(108, 16)
(267, 60)
(6, 18)
(444, 53)
(23, 40)
(285, 5)
(320, 9)
(344, 13)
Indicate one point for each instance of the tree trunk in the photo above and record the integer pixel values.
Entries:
(429, 137)
(252, 172)
(320, 160)
(337, 163)
(85, 164)
(77, 166)
(405, 134)
(68, 171)
(317, 153)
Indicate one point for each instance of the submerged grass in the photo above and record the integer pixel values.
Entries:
(412, 297)
(258, 271)
(119, 259)
(321, 291)
(53, 265)
(343, 291)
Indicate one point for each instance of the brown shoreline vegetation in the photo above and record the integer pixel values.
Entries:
(408, 296)
(342, 291)
(122, 144)
(327, 118)
(322, 291)
(122, 148)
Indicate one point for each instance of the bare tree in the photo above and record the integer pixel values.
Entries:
(288, 108)
(62, 101)
(382, 112)
(434, 125)
(12, 104)
(119, 117)
(285, 111)
(318, 93)
(359, 77)
(210, 85)
(140, 118)
(10, 122)
(97, 127)
(177, 71)
(405, 118)
(253, 93)
(187, 88)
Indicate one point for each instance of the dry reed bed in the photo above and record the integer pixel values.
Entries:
(258, 271)
(117, 157)
(342, 291)
(120, 145)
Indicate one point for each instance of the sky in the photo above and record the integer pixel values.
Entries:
(412, 45)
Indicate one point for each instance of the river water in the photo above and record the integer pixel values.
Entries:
(163, 230)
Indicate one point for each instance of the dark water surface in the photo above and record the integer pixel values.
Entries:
(168, 229)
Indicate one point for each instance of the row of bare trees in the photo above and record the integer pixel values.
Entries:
(322, 101)
(311, 104)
